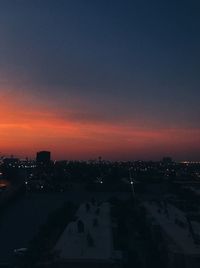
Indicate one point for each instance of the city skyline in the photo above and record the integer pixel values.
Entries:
(88, 78)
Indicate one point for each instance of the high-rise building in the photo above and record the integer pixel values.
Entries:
(43, 157)
(167, 160)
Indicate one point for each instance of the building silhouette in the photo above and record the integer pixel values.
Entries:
(43, 157)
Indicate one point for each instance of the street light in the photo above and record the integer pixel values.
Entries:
(132, 182)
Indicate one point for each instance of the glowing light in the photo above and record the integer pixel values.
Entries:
(28, 129)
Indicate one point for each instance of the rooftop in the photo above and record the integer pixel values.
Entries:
(177, 227)
(89, 237)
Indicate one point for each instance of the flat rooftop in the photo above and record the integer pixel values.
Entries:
(174, 223)
(95, 242)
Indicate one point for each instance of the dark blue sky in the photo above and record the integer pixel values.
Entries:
(117, 62)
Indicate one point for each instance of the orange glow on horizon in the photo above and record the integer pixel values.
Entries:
(25, 130)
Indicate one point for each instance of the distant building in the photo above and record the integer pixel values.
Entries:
(43, 157)
(167, 160)
(11, 162)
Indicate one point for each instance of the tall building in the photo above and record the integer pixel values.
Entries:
(43, 157)
(167, 160)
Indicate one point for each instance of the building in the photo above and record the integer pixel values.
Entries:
(181, 236)
(88, 241)
(43, 157)
(11, 162)
(167, 160)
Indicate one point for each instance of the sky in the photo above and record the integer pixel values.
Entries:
(113, 78)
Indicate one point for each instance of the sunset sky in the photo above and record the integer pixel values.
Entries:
(116, 78)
